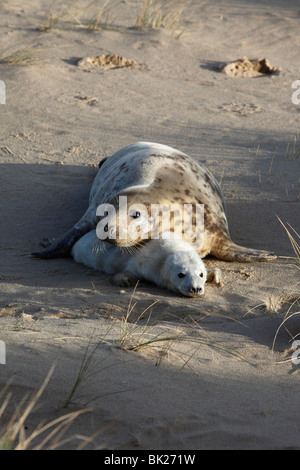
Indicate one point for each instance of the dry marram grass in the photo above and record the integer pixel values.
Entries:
(13, 435)
(158, 14)
(293, 302)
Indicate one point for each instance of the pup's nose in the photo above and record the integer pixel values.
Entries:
(195, 290)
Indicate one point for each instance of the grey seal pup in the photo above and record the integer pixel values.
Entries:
(169, 262)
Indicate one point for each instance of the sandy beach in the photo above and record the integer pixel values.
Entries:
(144, 368)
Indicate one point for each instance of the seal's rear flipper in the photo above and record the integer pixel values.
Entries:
(214, 276)
(102, 161)
(229, 251)
(62, 247)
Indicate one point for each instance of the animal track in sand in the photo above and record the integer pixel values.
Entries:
(87, 99)
(109, 61)
(241, 109)
(249, 68)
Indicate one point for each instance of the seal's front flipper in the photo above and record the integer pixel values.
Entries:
(124, 280)
(61, 247)
(214, 276)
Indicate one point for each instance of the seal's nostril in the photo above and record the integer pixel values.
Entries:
(195, 290)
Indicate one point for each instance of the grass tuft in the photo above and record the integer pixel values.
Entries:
(293, 150)
(294, 303)
(157, 14)
(293, 241)
(143, 333)
(13, 435)
(75, 13)
(23, 56)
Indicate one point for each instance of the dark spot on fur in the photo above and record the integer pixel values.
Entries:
(214, 225)
(180, 167)
(199, 200)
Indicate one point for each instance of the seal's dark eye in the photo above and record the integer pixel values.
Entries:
(201, 274)
(105, 228)
(105, 214)
(136, 215)
(181, 275)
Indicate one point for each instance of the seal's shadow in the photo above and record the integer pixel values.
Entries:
(47, 200)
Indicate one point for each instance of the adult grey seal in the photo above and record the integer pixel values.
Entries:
(168, 261)
(151, 174)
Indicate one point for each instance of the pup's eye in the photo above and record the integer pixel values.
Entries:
(181, 275)
(105, 228)
(105, 214)
(201, 274)
(136, 215)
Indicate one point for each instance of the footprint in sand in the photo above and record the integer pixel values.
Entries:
(241, 109)
(245, 68)
(109, 61)
(87, 99)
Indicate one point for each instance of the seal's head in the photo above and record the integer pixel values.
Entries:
(184, 272)
(126, 221)
(135, 216)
